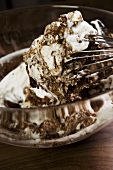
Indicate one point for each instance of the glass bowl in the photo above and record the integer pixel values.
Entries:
(20, 127)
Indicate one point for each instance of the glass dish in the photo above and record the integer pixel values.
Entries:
(18, 28)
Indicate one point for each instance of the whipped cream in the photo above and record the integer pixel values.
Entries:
(48, 53)
(13, 85)
(60, 39)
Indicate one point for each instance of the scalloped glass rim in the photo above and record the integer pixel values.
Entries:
(57, 6)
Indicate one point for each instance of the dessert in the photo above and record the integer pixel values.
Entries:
(51, 74)
(47, 57)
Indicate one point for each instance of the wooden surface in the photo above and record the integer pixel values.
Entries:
(93, 153)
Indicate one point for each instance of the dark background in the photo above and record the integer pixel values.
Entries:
(9, 4)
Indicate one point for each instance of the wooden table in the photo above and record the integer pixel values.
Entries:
(93, 153)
